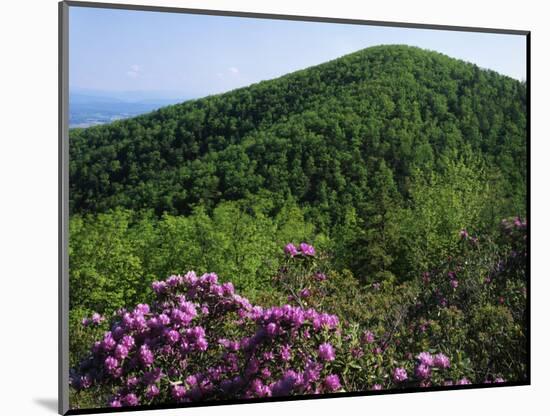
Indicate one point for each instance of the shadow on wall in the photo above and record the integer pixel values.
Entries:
(48, 404)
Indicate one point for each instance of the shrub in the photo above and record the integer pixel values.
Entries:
(199, 340)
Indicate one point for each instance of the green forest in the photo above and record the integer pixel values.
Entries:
(392, 162)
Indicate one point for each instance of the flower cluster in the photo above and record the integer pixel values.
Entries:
(515, 223)
(303, 249)
(399, 374)
(426, 362)
(200, 340)
(95, 320)
(177, 350)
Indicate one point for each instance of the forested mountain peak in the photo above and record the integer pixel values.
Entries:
(325, 136)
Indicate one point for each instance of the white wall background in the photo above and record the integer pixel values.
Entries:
(28, 204)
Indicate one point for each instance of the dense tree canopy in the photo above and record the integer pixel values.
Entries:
(331, 136)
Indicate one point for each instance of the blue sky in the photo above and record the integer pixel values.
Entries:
(171, 55)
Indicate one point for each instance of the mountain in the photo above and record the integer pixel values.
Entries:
(328, 136)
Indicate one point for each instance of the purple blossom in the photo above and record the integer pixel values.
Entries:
(121, 352)
(265, 372)
(463, 381)
(132, 382)
(202, 344)
(131, 399)
(253, 367)
(285, 352)
(284, 386)
(188, 308)
(320, 277)
(422, 371)
(191, 380)
(190, 278)
(115, 403)
(312, 371)
(441, 361)
(152, 376)
(376, 387)
(178, 391)
(367, 337)
(305, 293)
(332, 382)
(228, 288)
(172, 336)
(271, 329)
(146, 356)
(97, 318)
(152, 391)
(216, 290)
(326, 352)
(143, 308)
(128, 341)
(158, 287)
(163, 334)
(425, 358)
(210, 278)
(108, 342)
(307, 250)
(291, 250)
(399, 374)
(84, 382)
(111, 363)
(179, 317)
(325, 321)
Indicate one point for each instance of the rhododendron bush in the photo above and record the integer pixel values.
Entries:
(198, 339)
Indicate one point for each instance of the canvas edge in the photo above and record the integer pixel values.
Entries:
(528, 199)
(63, 205)
(322, 19)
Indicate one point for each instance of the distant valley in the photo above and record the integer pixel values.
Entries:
(86, 110)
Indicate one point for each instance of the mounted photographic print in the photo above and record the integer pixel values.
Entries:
(264, 207)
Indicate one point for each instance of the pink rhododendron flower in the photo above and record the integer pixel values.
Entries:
(326, 352)
(307, 250)
(291, 250)
(399, 374)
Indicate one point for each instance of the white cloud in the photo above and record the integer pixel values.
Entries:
(229, 74)
(134, 71)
